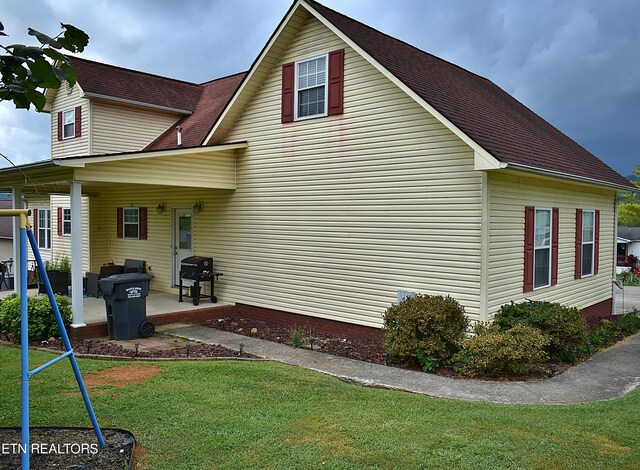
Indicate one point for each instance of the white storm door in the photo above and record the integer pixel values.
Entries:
(182, 239)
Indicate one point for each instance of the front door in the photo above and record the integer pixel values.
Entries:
(182, 239)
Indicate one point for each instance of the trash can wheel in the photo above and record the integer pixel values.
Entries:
(147, 329)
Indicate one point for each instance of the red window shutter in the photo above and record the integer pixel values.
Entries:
(142, 219)
(596, 242)
(529, 239)
(59, 221)
(60, 125)
(336, 83)
(120, 222)
(555, 232)
(578, 261)
(288, 90)
(78, 121)
(35, 223)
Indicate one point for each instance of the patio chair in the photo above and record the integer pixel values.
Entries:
(4, 271)
(93, 287)
(134, 266)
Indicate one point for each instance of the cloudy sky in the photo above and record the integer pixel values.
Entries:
(574, 62)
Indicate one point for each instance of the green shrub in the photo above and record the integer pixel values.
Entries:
(297, 337)
(564, 326)
(629, 323)
(42, 323)
(496, 352)
(425, 325)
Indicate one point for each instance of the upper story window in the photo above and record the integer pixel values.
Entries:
(69, 124)
(66, 221)
(311, 87)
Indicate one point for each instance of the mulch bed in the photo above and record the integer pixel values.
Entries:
(104, 347)
(54, 447)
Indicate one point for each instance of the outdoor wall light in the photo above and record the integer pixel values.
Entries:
(198, 206)
(161, 207)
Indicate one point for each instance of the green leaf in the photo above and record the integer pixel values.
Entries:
(37, 98)
(21, 101)
(60, 74)
(72, 78)
(44, 39)
(55, 55)
(19, 50)
(15, 88)
(73, 39)
(43, 74)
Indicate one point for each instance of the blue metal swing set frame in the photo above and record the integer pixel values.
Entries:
(27, 234)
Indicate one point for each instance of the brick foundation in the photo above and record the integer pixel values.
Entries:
(304, 321)
(602, 309)
(198, 316)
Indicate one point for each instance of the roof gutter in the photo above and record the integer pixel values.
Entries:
(136, 103)
(582, 179)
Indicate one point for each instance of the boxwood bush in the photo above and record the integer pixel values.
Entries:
(42, 323)
(564, 326)
(424, 326)
(497, 352)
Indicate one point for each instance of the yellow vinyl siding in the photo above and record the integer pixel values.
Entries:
(61, 245)
(332, 216)
(509, 194)
(67, 99)
(120, 128)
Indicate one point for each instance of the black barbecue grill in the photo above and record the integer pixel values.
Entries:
(197, 269)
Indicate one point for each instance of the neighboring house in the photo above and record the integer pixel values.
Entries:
(6, 232)
(628, 245)
(343, 167)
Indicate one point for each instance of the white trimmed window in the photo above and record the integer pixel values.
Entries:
(311, 88)
(69, 124)
(542, 249)
(588, 241)
(44, 228)
(66, 221)
(131, 222)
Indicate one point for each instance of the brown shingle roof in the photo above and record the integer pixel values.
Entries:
(195, 127)
(125, 84)
(495, 120)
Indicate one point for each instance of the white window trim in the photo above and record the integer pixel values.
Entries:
(73, 113)
(592, 243)
(535, 248)
(326, 89)
(125, 223)
(66, 234)
(45, 239)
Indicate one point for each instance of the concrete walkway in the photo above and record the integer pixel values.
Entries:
(609, 374)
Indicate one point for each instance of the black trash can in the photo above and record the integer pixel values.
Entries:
(125, 297)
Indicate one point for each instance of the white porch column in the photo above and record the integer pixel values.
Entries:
(77, 303)
(16, 200)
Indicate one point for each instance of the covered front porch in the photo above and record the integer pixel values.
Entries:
(162, 308)
(172, 190)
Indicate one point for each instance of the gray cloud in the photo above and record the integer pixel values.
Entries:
(575, 62)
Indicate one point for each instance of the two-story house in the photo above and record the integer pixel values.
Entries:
(342, 167)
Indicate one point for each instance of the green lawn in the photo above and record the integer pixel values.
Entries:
(234, 414)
